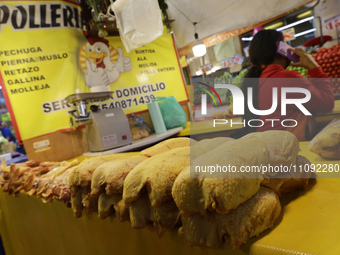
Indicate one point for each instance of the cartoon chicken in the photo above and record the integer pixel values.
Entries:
(100, 71)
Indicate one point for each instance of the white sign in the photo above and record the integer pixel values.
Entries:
(207, 67)
(227, 62)
(333, 22)
(289, 34)
(41, 145)
(238, 59)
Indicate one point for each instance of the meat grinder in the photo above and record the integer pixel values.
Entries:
(105, 128)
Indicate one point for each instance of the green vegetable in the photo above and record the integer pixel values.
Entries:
(301, 70)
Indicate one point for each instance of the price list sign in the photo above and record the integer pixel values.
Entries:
(206, 68)
(238, 59)
(227, 62)
(333, 22)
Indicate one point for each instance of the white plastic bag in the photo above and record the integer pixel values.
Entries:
(139, 22)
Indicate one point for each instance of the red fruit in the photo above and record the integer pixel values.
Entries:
(333, 64)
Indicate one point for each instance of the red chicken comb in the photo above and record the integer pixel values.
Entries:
(93, 40)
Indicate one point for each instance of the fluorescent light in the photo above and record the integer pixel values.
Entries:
(295, 23)
(304, 14)
(247, 38)
(273, 26)
(199, 73)
(305, 32)
(288, 26)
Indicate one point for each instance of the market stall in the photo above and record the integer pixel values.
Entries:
(29, 226)
(112, 170)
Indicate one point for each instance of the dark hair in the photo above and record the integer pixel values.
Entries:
(262, 52)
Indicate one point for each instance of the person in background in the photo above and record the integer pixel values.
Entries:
(6, 132)
(267, 63)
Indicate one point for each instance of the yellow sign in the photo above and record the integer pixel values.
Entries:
(40, 41)
(136, 78)
(47, 58)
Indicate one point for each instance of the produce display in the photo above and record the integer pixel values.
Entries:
(327, 142)
(329, 60)
(300, 69)
(156, 187)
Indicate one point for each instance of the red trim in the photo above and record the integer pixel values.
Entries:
(179, 65)
(185, 101)
(10, 110)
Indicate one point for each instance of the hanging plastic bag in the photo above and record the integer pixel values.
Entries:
(139, 22)
(172, 112)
